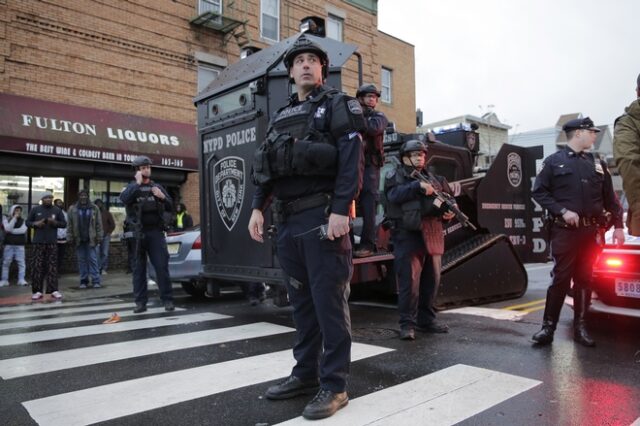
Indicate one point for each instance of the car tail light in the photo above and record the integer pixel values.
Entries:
(613, 262)
(197, 244)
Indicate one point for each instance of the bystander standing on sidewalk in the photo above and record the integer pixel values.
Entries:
(85, 233)
(62, 234)
(45, 219)
(182, 219)
(15, 237)
(108, 226)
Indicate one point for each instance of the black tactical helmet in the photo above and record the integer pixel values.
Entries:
(141, 160)
(367, 88)
(302, 45)
(411, 146)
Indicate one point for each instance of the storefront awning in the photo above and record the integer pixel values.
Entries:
(35, 127)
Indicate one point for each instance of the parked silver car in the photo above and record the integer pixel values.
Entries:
(185, 260)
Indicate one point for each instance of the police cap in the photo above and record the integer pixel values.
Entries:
(580, 124)
(367, 88)
(304, 45)
(411, 146)
(141, 160)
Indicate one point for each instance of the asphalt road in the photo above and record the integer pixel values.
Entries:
(211, 362)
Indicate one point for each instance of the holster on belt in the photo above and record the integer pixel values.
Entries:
(281, 209)
(585, 222)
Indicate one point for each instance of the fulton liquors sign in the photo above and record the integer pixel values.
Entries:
(47, 128)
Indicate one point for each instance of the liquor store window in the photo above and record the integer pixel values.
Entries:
(386, 75)
(109, 192)
(27, 191)
(270, 19)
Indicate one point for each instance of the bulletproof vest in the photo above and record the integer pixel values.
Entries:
(298, 143)
(146, 211)
(145, 200)
(409, 215)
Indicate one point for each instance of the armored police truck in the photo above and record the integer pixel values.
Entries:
(479, 265)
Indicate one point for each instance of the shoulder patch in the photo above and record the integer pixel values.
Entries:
(390, 174)
(354, 106)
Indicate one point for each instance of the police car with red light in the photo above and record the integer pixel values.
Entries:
(616, 278)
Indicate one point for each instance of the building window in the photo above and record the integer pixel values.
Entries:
(214, 6)
(206, 74)
(270, 19)
(386, 85)
(334, 27)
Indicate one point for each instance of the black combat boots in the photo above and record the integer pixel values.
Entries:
(545, 335)
(581, 303)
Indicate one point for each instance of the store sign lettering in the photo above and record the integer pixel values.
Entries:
(66, 126)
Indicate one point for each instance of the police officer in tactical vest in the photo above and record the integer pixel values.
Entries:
(373, 136)
(576, 189)
(310, 166)
(411, 207)
(148, 209)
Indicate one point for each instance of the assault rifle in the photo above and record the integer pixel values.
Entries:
(446, 200)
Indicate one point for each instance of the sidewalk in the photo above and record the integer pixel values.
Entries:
(113, 284)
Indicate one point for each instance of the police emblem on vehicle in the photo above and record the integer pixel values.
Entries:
(228, 189)
(514, 169)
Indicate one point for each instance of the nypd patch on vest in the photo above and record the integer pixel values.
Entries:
(228, 189)
(354, 106)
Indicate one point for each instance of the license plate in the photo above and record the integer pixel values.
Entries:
(628, 288)
(174, 248)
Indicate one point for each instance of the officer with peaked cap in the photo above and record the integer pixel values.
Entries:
(311, 165)
(575, 188)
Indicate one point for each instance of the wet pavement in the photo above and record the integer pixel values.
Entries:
(484, 372)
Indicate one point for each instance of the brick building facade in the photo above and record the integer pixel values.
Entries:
(83, 70)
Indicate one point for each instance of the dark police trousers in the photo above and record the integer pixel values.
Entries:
(368, 203)
(573, 252)
(416, 279)
(155, 246)
(320, 305)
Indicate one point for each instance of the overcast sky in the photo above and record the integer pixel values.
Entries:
(532, 59)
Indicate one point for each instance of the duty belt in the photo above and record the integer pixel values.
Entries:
(585, 222)
(283, 208)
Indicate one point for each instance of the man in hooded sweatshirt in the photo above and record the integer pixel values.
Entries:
(15, 238)
(626, 150)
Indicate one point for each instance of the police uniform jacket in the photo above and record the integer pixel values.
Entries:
(626, 150)
(578, 182)
(374, 137)
(339, 117)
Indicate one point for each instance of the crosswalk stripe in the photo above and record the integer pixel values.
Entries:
(64, 333)
(115, 400)
(445, 397)
(65, 310)
(77, 318)
(499, 314)
(57, 304)
(72, 358)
